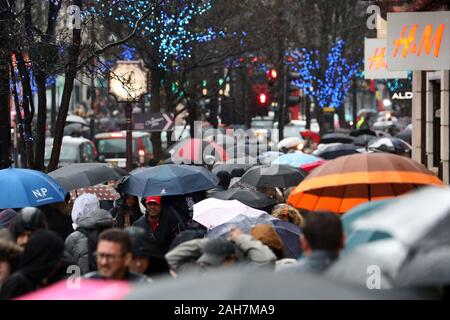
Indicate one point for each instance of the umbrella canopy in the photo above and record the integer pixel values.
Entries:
(406, 134)
(80, 175)
(336, 137)
(249, 197)
(72, 128)
(389, 144)
(342, 183)
(288, 232)
(269, 156)
(196, 151)
(259, 284)
(28, 188)
(276, 176)
(311, 135)
(76, 119)
(311, 166)
(101, 191)
(289, 142)
(295, 159)
(213, 212)
(335, 150)
(89, 289)
(240, 163)
(363, 132)
(363, 140)
(168, 179)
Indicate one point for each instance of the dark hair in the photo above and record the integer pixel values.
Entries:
(28, 219)
(237, 172)
(323, 231)
(119, 236)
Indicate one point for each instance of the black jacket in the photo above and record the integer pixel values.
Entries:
(119, 214)
(57, 221)
(167, 230)
(129, 276)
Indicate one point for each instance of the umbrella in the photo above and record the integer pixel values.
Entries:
(357, 237)
(213, 212)
(362, 132)
(250, 198)
(363, 140)
(277, 176)
(72, 128)
(336, 137)
(28, 188)
(196, 151)
(260, 284)
(288, 232)
(310, 134)
(76, 119)
(168, 179)
(406, 134)
(345, 182)
(296, 159)
(82, 175)
(269, 156)
(103, 192)
(335, 150)
(311, 166)
(89, 289)
(289, 142)
(389, 144)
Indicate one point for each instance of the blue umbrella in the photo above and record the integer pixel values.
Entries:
(296, 159)
(28, 188)
(167, 180)
(358, 237)
(269, 156)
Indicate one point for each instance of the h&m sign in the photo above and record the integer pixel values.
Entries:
(375, 61)
(418, 41)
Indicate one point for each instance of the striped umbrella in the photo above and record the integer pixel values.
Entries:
(339, 185)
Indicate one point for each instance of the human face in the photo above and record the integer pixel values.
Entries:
(139, 264)
(23, 238)
(5, 270)
(129, 201)
(153, 209)
(111, 262)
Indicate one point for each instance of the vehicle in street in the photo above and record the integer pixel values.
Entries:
(73, 150)
(112, 147)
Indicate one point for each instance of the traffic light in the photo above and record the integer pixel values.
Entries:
(293, 92)
(262, 98)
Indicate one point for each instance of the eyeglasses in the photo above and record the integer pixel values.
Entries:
(108, 257)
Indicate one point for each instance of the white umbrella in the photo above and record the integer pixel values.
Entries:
(76, 119)
(289, 142)
(214, 212)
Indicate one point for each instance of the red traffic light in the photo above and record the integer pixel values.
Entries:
(262, 98)
(273, 74)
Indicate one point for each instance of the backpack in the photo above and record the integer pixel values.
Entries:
(92, 236)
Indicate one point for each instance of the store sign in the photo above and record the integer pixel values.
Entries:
(375, 61)
(418, 41)
(402, 96)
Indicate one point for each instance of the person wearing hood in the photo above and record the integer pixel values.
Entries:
(81, 243)
(25, 222)
(147, 257)
(42, 264)
(128, 212)
(10, 254)
(6, 217)
(57, 219)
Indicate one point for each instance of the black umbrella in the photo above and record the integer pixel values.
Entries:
(336, 137)
(276, 176)
(229, 167)
(360, 132)
(363, 140)
(168, 179)
(389, 144)
(255, 284)
(406, 134)
(250, 198)
(82, 175)
(335, 150)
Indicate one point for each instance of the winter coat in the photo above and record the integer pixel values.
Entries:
(129, 276)
(57, 221)
(76, 243)
(119, 214)
(166, 232)
(249, 251)
(42, 264)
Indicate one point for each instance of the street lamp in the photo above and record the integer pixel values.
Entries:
(128, 83)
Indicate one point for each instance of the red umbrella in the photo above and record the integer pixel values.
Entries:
(196, 150)
(310, 166)
(310, 134)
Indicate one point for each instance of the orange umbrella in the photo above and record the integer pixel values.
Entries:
(339, 185)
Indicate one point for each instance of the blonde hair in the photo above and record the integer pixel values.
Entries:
(289, 213)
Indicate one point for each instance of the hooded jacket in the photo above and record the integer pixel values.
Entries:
(6, 217)
(76, 243)
(42, 264)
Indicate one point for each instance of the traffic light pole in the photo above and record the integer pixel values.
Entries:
(129, 137)
(282, 106)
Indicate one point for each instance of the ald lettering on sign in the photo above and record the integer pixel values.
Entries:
(419, 41)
